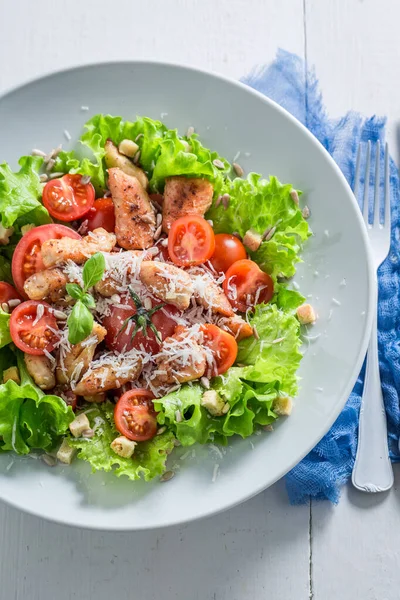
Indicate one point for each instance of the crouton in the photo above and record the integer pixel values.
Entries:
(252, 240)
(306, 314)
(123, 447)
(282, 406)
(213, 402)
(12, 374)
(128, 148)
(65, 453)
(79, 425)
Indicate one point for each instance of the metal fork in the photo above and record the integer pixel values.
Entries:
(372, 470)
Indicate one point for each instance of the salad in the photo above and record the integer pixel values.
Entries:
(144, 299)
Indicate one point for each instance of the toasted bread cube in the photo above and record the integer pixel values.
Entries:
(11, 373)
(283, 406)
(26, 228)
(306, 314)
(123, 447)
(5, 234)
(213, 402)
(65, 453)
(252, 240)
(79, 425)
(128, 148)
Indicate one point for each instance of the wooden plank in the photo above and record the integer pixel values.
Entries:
(254, 551)
(355, 546)
(354, 48)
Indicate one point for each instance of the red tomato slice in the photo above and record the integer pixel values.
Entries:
(122, 341)
(31, 327)
(8, 292)
(101, 215)
(191, 241)
(134, 415)
(228, 249)
(246, 285)
(27, 258)
(223, 346)
(67, 198)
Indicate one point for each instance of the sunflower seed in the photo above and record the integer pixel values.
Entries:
(218, 163)
(147, 303)
(161, 430)
(205, 382)
(60, 315)
(136, 158)
(148, 218)
(268, 234)
(55, 175)
(294, 196)
(83, 228)
(50, 164)
(37, 152)
(5, 307)
(88, 433)
(218, 201)
(225, 200)
(85, 179)
(238, 169)
(268, 428)
(178, 416)
(43, 178)
(190, 131)
(176, 443)
(167, 476)
(50, 461)
(14, 302)
(159, 219)
(188, 147)
(158, 232)
(306, 212)
(226, 408)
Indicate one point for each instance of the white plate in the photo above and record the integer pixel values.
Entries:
(230, 117)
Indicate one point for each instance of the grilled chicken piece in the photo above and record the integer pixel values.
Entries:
(108, 377)
(78, 358)
(184, 196)
(55, 252)
(41, 369)
(135, 217)
(180, 359)
(210, 295)
(114, 158)
(167, 282)
(236, 326)
(48, 284)
(115, 277)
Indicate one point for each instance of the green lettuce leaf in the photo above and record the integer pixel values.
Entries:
(163, 153)
(20, 193)
(148, 460)
(5, 269)
(5, 337)
(30, 419)
(286, 299)
(275, 357)
(7, 359)
(261, 204)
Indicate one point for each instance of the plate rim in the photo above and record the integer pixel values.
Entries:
(371, 284)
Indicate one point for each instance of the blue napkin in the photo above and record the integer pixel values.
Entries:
(328, 466)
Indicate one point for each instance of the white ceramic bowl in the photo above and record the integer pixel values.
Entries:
(229, 117)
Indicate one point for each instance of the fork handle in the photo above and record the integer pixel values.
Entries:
(372, 470)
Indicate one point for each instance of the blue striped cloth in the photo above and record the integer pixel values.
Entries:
(328, 466)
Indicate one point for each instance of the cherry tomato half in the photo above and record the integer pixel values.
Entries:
(223, 346)
(67, 198)
(134, 415)
(122, 341)
(191, 241)
(101, 215)
(27, 258)
(32, 328)
(8, 292)
(228, 249)
(246, 285)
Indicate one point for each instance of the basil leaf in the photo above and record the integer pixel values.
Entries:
(88, 300)
(80, 323)
(74, 290)
(93, 270)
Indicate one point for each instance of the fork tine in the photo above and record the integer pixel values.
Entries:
(376, 219)
(366, 184)
(356, 187)
(387, 188)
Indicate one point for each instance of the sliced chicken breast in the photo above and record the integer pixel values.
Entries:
(167, 282)
(185, 196)
(56, 252)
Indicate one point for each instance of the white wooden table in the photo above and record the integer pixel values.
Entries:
(264, 548)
